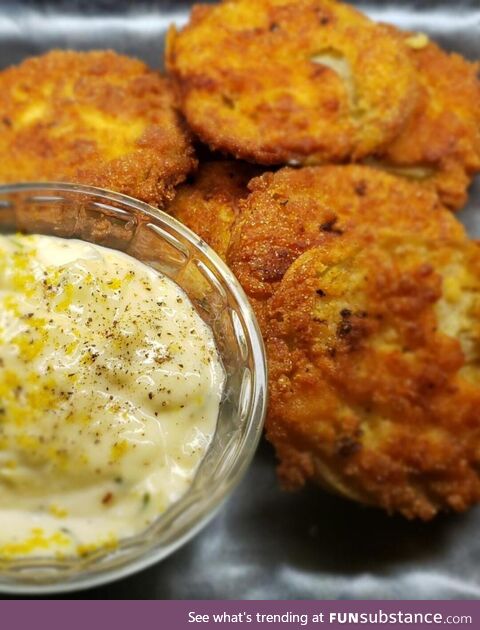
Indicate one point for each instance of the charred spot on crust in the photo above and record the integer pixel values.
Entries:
(329, 226)
(347, 446)
(228, 102)
(350, 330)
(344, 329)
(323, 18)
(361, 188)
(320, 293)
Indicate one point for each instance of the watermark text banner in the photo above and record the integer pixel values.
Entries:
(225, 615)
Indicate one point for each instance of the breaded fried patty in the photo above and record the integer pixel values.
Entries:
(293, 210)
(441, 141)
(280, 81)
(95, 118)
(374, 354)
(208, 204)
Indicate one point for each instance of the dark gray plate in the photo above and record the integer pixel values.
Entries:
(265, 543)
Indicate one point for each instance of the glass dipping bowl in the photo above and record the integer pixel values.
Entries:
(155, 238)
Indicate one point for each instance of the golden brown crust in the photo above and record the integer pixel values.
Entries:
(442, 137)
(276, 81)
(209, 203)
(96, 118)
(374, 379)
(294, 210)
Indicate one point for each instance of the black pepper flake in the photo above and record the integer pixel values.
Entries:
(107, 498)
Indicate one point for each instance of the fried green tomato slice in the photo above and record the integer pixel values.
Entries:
(440, 143)
(374, 354)
(209, 202)
(95, 118)
(282, 81)
(294, 210)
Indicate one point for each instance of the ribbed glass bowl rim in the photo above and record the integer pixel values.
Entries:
(255, 420)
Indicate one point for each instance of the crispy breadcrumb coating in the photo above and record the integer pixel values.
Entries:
(374, 355)
(96, 118)
(294, 210)
(208, 204)
(282, 81)
(441, 141)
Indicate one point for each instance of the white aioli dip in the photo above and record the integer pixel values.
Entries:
(110, 385)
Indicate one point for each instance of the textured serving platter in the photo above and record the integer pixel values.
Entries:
(264, 543)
